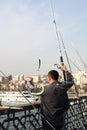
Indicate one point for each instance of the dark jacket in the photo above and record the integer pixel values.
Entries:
(54, 100)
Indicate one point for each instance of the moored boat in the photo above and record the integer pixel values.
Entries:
(15, 97)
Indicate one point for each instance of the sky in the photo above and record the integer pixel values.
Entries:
(28, 33)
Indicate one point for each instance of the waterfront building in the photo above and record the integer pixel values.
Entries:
(36, 78)
(21, 77)
(16, 78)
(80, 78)
(1, 79)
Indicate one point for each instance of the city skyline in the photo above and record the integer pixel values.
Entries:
(27, 34)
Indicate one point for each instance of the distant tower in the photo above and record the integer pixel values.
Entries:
(16, 78)
(21, 77)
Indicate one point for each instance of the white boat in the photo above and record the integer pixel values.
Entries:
(12, 98)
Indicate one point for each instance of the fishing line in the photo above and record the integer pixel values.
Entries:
(30, 103)
(54, 21)
(74, 62)
(77, 52)
(75, 65)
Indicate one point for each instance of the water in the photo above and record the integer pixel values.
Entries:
(22, 120)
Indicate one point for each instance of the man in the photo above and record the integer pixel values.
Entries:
(54, 100)
(29, 83)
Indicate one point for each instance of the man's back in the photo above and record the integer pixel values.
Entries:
(54, 101)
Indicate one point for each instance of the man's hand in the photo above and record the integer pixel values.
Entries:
(63, 68)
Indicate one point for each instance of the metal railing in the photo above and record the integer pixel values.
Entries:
(27, 118)
(76, 116)
(20, 118)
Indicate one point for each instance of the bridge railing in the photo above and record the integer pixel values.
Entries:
(76, 116)
(25, 117)
(20, 118)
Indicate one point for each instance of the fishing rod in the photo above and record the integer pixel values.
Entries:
(30, 102)
(61, 57)
(77, 93)
(65, 52)
(58, 39)
(59, 34)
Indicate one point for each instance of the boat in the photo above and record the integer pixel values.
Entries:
(11, 98)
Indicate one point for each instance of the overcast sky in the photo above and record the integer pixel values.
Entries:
(27, 33)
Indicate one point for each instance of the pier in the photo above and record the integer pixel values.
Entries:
(25, 117)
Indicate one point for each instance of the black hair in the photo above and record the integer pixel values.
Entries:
(53, 74)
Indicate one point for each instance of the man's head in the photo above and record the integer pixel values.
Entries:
(53, 75)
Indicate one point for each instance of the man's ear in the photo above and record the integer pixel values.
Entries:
(49, 78)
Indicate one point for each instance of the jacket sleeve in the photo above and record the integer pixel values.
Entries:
(69, 80)
(38, 91)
